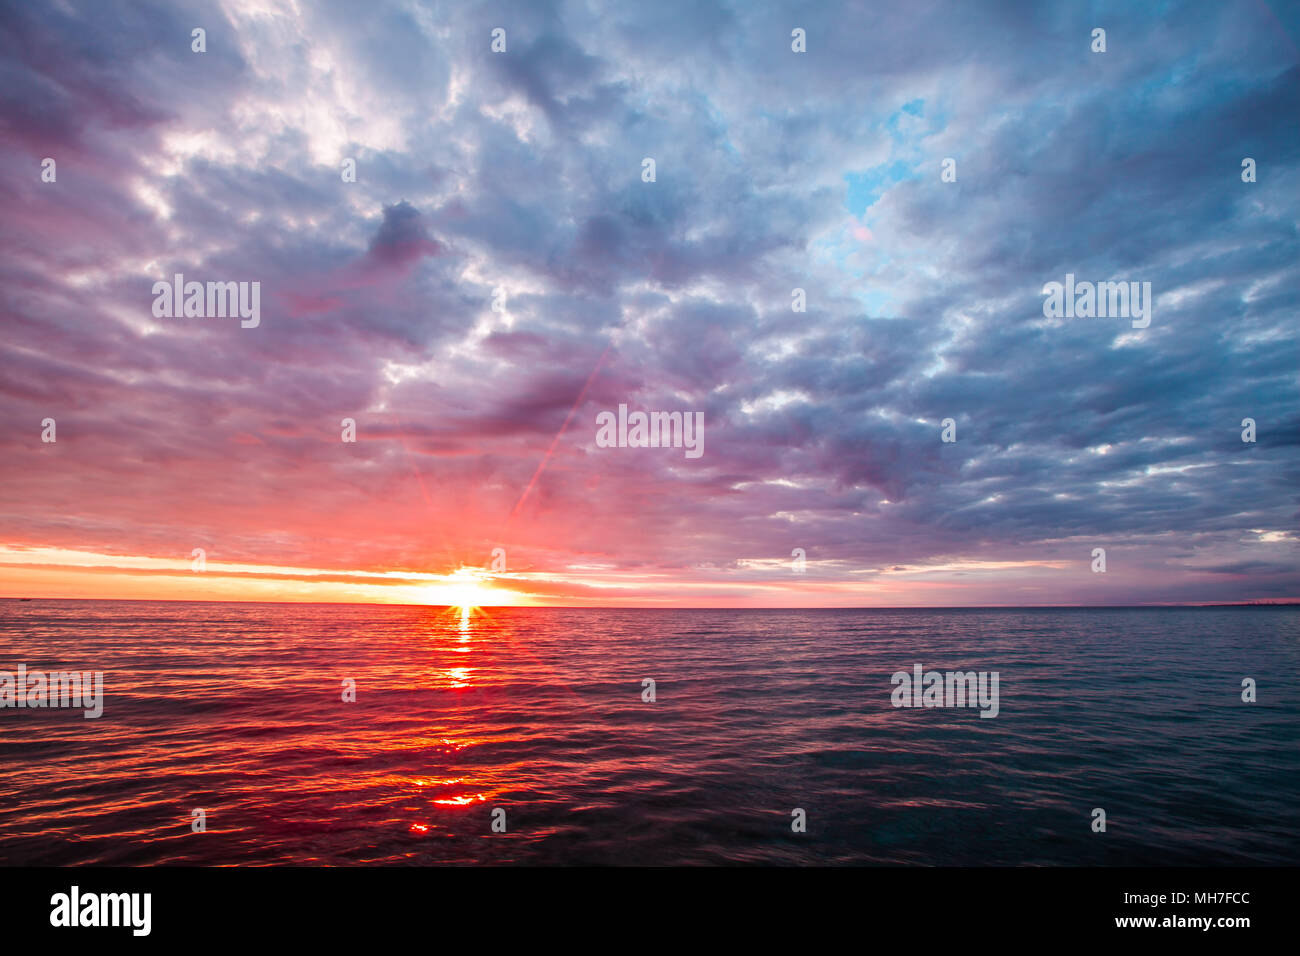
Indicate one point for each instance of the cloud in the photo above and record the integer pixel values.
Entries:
(522, 172)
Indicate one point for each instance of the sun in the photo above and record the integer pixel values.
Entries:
(464, 588)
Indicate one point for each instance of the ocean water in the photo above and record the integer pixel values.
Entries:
(237, 709)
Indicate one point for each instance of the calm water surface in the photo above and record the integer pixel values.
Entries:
(237, 709)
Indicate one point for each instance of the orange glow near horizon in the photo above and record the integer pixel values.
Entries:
(69, 573)
(83, 574)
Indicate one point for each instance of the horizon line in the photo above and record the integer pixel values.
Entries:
(1279, 602)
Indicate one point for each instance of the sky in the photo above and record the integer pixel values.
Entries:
(501, 272)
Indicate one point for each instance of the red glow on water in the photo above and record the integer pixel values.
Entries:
(460, 801)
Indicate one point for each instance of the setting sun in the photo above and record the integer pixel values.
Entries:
(465, 588)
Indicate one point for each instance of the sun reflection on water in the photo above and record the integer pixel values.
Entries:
(452, 630)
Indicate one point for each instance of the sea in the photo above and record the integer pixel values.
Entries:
(355, 735)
